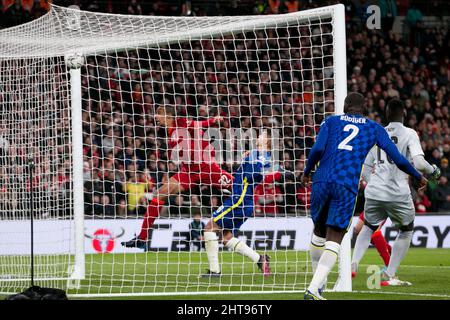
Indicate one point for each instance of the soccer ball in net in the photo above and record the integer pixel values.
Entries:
(74, 60)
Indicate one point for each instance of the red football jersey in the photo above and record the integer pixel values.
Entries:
(270, 194)
(187, 139)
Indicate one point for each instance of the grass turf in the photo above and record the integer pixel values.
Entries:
(427, 269)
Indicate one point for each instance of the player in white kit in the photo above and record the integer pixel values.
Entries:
(388, 194)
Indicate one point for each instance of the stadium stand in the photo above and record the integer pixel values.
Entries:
(411, 62)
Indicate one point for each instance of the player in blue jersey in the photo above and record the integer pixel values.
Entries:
(236, 209)
(341, 147)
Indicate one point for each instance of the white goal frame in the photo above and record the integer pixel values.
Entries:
(67, 47)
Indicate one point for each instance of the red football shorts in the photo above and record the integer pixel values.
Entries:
(209, 174)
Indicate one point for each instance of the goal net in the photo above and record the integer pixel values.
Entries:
(79, 93)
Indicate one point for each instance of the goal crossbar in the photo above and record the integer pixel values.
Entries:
(59, 39)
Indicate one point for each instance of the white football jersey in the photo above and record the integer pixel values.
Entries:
(387, 182)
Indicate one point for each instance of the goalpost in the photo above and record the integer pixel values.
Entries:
(78, 92)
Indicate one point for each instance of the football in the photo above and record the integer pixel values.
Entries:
(74, 60)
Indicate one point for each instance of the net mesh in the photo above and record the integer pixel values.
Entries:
(256, 72)
(34, 126)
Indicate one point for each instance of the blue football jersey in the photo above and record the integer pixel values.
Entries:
(251, 173)
(342, 145)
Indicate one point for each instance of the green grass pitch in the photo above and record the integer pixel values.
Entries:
(427, 269)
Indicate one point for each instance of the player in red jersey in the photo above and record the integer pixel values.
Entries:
(198, 165)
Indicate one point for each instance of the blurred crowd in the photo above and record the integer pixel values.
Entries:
(262, 79)
(18, 11)
(256, 80)
(384, 66)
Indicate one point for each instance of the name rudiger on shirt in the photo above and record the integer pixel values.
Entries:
(353, 119)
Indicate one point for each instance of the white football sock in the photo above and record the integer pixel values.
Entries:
(326, 264)
(242, 248)
(399, 250)
(361, 245)
(316, 248)
(212, 251)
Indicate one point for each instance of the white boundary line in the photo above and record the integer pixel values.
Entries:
(165, 294)
(99, 295)
(405, 293)
(412, 266)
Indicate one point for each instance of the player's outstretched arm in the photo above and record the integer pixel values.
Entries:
(318, 149)
(423, 166)
(368, 165)
(385, 143)
(206, 123)
(281, 175)
(417, 155)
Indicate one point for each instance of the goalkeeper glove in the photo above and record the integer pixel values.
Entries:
(436, 173)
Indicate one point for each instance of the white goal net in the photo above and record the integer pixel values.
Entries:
(79, 94)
